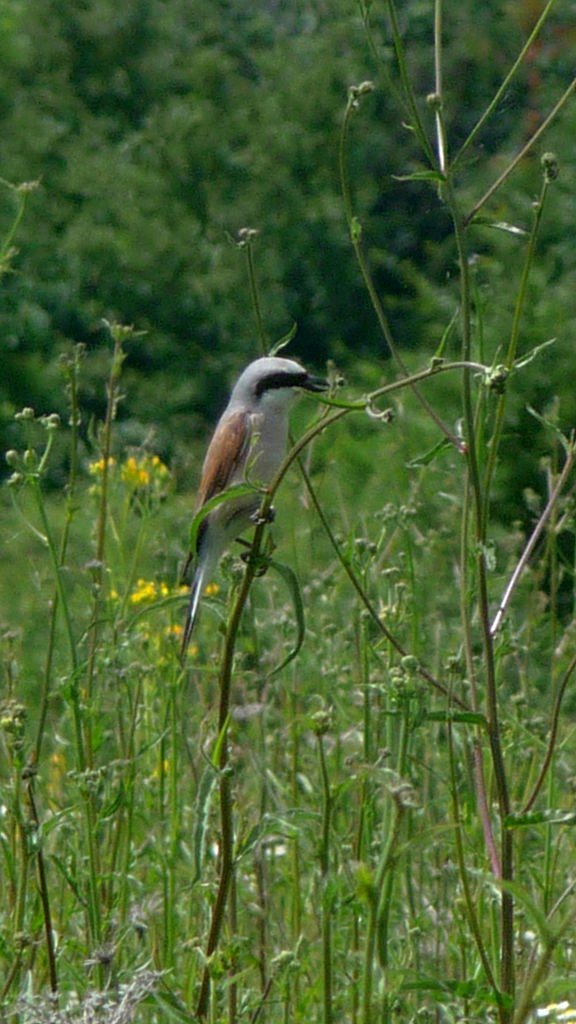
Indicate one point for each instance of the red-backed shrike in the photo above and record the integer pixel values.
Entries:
(249, 443)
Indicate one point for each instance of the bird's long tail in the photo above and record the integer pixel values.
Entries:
(196, 588)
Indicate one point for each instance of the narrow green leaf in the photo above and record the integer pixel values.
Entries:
(466, 717)
(436, 176)
(427, 457)
(268, 825)
(524, 360)
(220, 741)
(169, 1006)
(467, 989)
(549, 817)
(550, 425)
(110, 809)
(444, 339)
(355, 230)
(534, 913)
(291, 581)
(203, 800)
(285, 340)
(501, 225)
(237, 491)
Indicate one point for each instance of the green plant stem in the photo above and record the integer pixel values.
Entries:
(409, 98)
(20, 855)
(555, 719)
(525, 1002)
(233, 967)
(21, 192)
(295, 769)
(493, 448)
(324, 857)
(492, 716)
(70, 512)
(101, 527)
(43, 890)
(469, 902)
(355, 238)
(386, 886)
(523, 152)
(390, 85)
(225, 788)
(57, 570)
(375, 910)
(254, 296)
(361, 592)
(93, 901)
(440, 133)
(174, 827)
(534, 537)
(491, 108)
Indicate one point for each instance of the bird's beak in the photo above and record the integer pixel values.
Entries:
(315, 384)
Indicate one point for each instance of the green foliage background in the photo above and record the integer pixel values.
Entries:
(157, 130)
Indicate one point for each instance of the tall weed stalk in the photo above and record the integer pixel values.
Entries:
(170, 850)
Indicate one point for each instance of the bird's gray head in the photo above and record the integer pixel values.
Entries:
(273, 379)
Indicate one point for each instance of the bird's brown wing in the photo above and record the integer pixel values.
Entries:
(225, 453)
(224, 456)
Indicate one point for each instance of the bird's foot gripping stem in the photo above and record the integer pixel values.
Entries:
(264, 520)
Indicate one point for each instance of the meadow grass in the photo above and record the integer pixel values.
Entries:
(354, 800)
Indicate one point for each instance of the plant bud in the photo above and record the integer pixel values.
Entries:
(434, 101)
(550, 167)
(51, 422)
(26, 414)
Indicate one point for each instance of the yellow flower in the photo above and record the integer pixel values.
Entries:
(211, 590)
(148, 471)
(97, 468)
(159, 466)
(145, 591)
(134, 473)
(148, 590)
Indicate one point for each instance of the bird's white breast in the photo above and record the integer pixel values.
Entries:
(270, 438)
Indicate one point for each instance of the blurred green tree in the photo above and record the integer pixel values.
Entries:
(157, 131)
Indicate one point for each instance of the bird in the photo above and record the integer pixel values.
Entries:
(248, 445)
